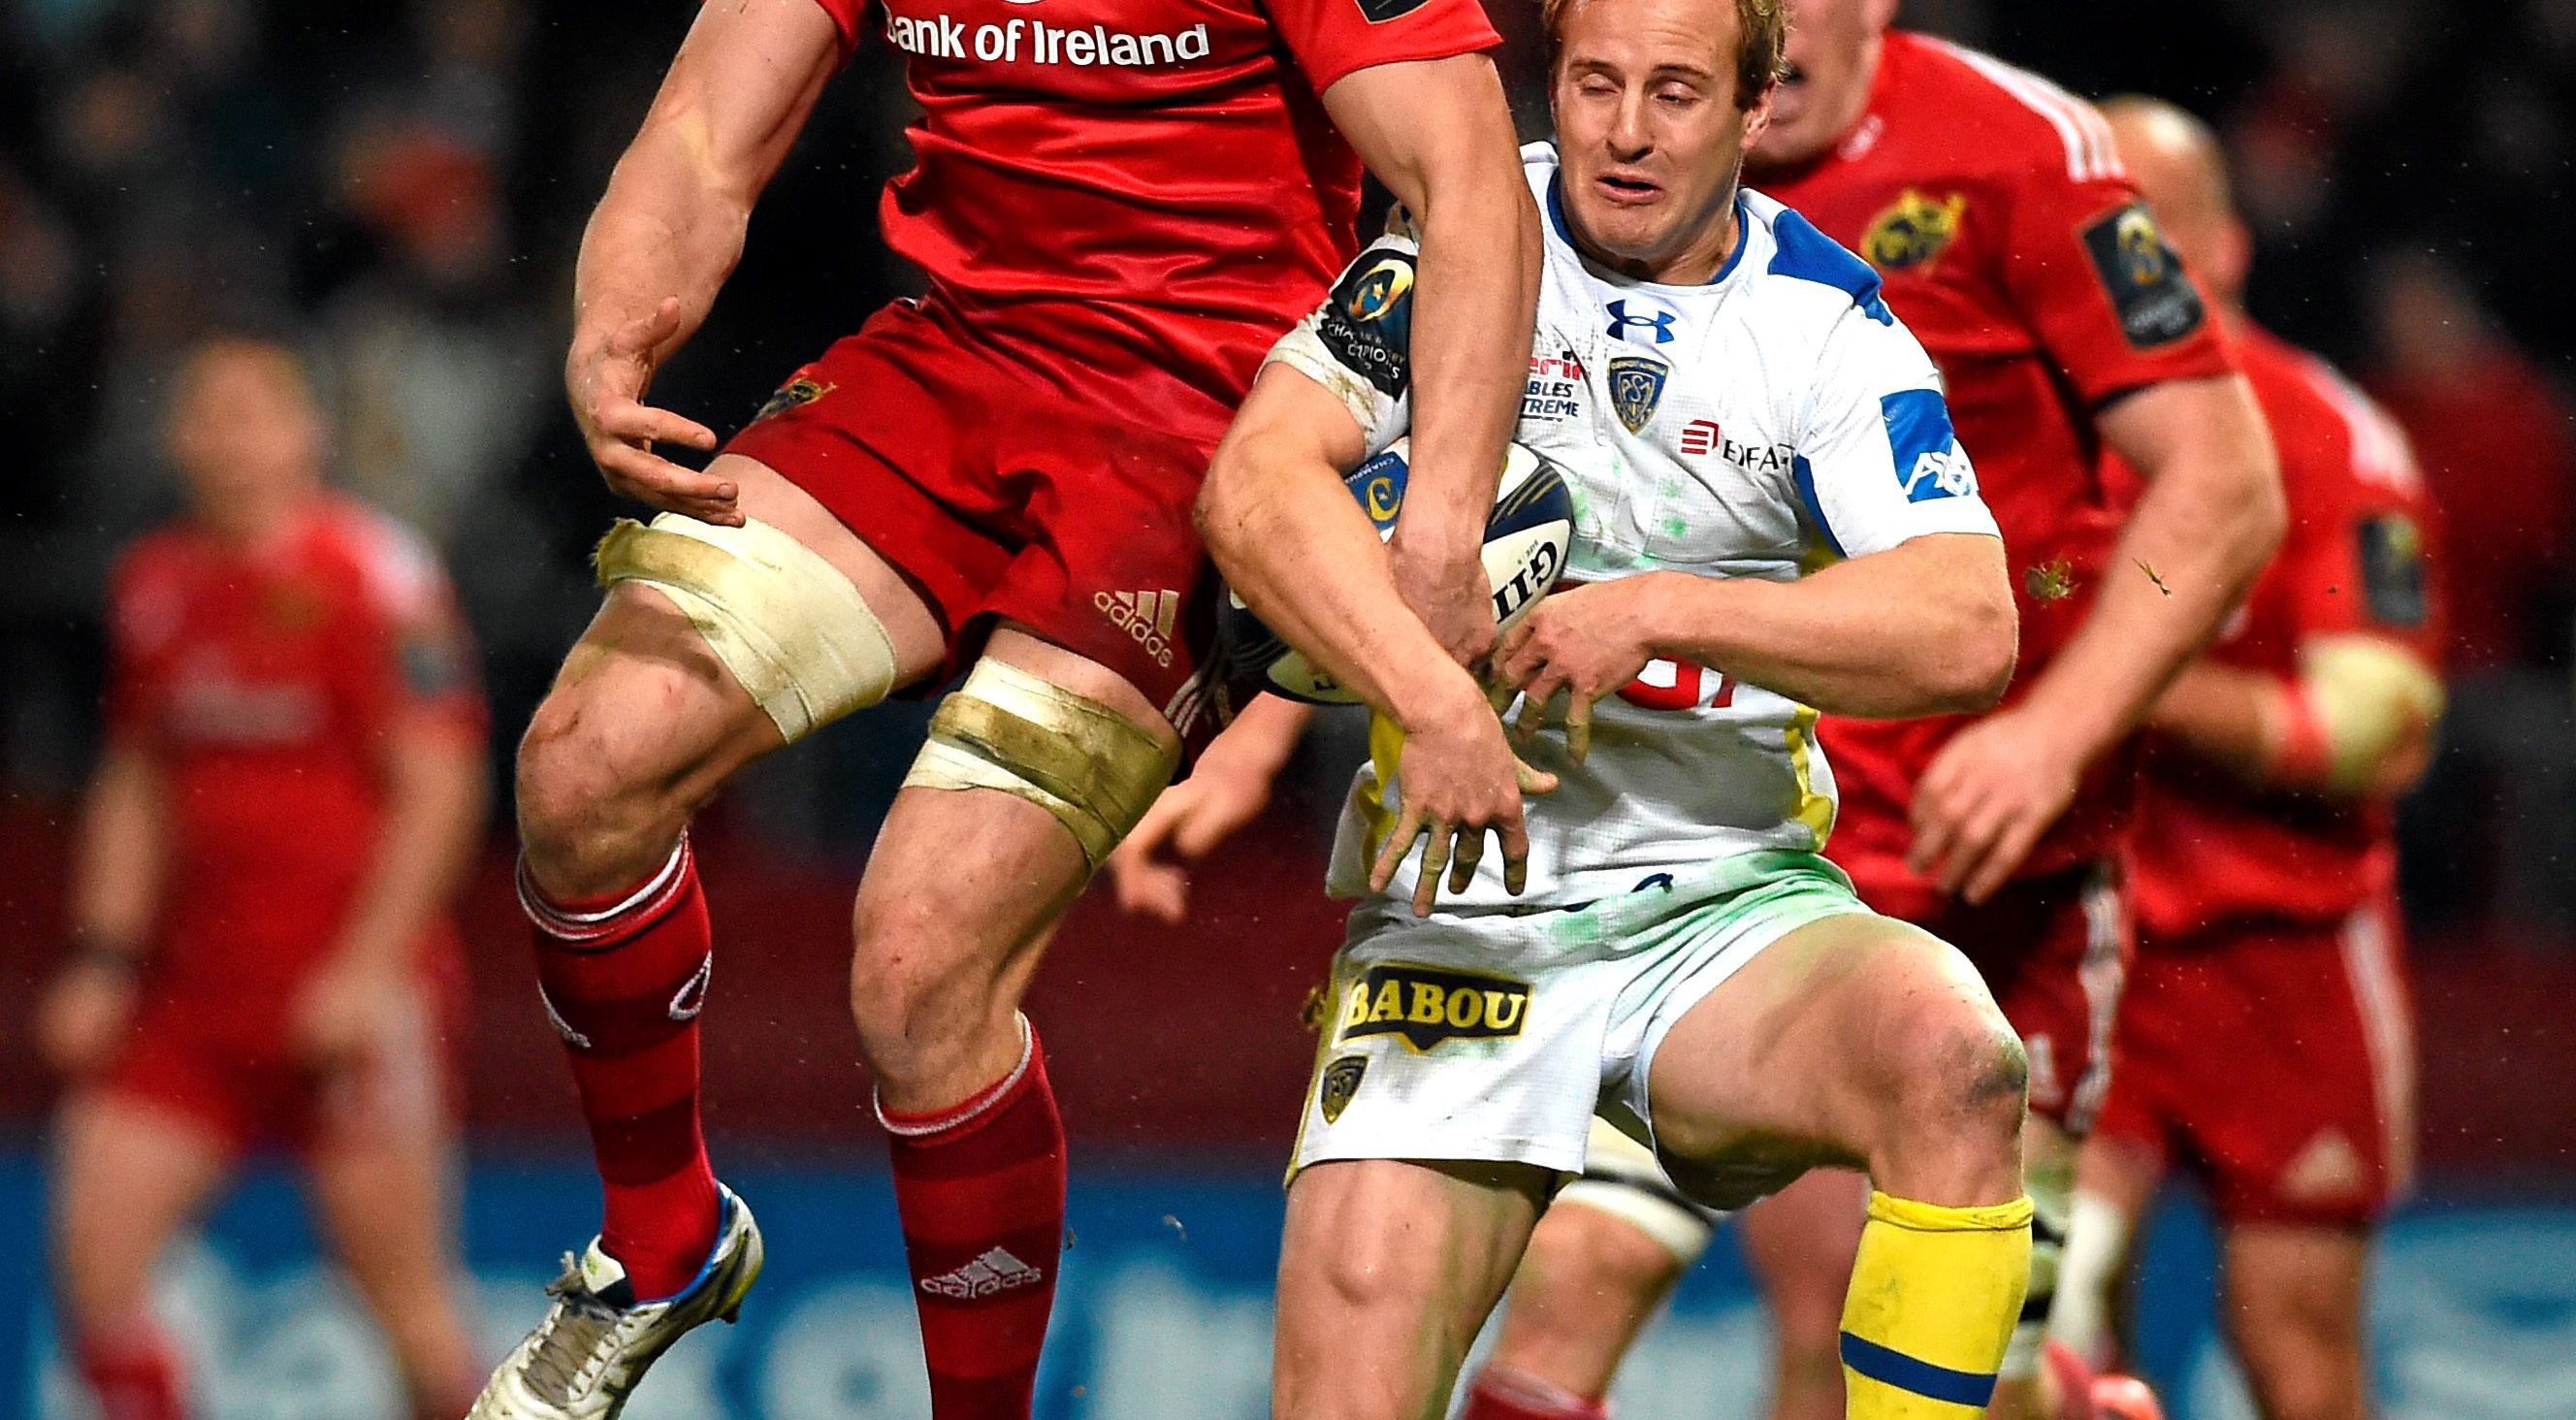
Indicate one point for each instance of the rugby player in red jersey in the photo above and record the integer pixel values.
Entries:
(2015, 247)
(292, 786)
(1118, 206)
(2264, 1043)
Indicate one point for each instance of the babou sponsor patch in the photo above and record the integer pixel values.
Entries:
(1424, 1006)
(2156, 302)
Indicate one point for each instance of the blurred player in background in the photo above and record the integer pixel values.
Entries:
(2012, 243)
(292, 786)
(2265, 1042)
(1119, 206)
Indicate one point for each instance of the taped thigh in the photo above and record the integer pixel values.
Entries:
(1091, 766)
(792, 630)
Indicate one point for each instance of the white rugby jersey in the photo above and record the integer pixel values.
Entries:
(1767, 422)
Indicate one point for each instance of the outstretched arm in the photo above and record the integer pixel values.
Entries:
(670, 228)
(1439, 134)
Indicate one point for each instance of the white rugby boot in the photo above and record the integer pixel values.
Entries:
(597, 1341)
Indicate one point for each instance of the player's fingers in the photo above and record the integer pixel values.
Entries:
(1974, 839)
(1508, 651)
(1532, 781)
(634, 421)
(1515, 841)
(1435, 860)
(1390, 856)
(646, 333)
(1470, 852)
(1578, 728)
(659, 481)
(2005, 858)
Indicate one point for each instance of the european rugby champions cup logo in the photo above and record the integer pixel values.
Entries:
(1637, 389)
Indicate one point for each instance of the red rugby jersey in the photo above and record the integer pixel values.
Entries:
(263, 683)
(1134, 198)
(2208, 849)
(2014, 246)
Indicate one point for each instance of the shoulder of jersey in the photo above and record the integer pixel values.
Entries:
(2328, 432)
(1801, 253)
(2018, 116)
(394, 565)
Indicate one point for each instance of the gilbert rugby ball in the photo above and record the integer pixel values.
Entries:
(1525, 547)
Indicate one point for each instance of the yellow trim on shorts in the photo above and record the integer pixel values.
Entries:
(1814, 809)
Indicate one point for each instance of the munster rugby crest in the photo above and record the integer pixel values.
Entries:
(1637, 389)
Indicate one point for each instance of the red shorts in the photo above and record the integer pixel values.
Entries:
(2276, 1063)
(1004, 498)
(2052, 948)
(210, 1062)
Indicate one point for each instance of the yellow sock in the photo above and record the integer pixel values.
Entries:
(1934, 1295)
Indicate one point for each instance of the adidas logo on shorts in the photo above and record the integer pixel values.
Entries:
(996, 1271)
(1147, 616)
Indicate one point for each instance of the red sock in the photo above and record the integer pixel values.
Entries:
(1501, 1394)
(132, 1376)
(623, 979)
(980, 1186)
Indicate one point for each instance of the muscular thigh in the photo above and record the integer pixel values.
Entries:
(1387, 1269)
(1779, 1069)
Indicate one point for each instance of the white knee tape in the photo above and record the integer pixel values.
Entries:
(1622, 1179)
(1093, 768)
(794, 632)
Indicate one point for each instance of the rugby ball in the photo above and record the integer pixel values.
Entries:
(1525, 547)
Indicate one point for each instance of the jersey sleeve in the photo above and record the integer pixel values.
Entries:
(846, 15)
(1878, 463)
(1359, 343)
(407, 657)
(1333, 39)
(2088, 271)
(2359, 558)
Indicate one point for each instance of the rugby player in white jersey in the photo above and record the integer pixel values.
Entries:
(1772, 519)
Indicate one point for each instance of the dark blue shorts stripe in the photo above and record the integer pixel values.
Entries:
(1921, 1377)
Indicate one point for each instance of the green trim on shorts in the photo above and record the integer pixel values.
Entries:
(1782, 886)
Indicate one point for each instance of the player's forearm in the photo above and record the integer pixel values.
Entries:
(119, 858)
(664, 229)
(2220, 714)
(433, 819)
(1923, 628)
(2209, 520)
(1439, 135)
(1471, 341)
(1298, 550)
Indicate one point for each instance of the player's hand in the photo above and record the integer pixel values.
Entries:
(1460, 781)
(1986, 799)
(1585, 643)
(85, 1014)
(1150, 871)
(1452, 596)
(606, 383)
(346, 1011)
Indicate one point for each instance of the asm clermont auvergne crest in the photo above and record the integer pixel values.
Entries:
(1636, 389)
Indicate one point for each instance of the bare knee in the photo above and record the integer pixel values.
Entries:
(1956, 1081)
(924, 992)
(591, 818)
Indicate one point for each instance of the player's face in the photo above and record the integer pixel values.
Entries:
(243, 428)
(1832, 58)
(1651, 136)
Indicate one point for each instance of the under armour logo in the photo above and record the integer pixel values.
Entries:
(1661, 322)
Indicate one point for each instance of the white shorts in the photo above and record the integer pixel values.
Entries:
(1498, 1036)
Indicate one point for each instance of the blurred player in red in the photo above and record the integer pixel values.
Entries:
(292, 786)
(2015, 247)
(2265, 1042)
(1118, 206)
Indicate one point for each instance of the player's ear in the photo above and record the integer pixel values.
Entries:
(1757, 117)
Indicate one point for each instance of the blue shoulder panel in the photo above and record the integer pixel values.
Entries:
(1806, 254)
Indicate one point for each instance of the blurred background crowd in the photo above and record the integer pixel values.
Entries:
(397, 189)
